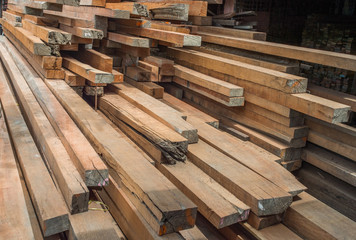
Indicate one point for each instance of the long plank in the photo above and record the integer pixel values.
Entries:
(14, 218)
(91, 167)
(143, 180)
(95, 59)
(31, 42)
(329, 162)
(97, 11)
(233, 32)
(263, 196)
(332, 59)
(278, 231)
(270, 78)
(49, 35)
(158, 110)
(188, 110)
(308, 104)
(128, 40)
(86, 71)
(247, 154)
(172, 145)
(51, 212)
(313, 219)
(167, 36)
(196, 8)
(214, 202)
(149, 88)
(72, 186)
(208, 82)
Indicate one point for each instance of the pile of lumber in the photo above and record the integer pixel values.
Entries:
(85, 111)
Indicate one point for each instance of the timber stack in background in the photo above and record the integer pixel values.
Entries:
(141, 120)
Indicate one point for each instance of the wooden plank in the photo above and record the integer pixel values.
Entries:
(172, 145)
(95, 59)
(51, 212)
(247, 155)
(41, 20)
(234, 132)
(91, 167)
(32, 43)
(149, 88)
(73, 79)
(24, 10)
(292, 69)
(167, 36)
(173, 12)
(98, 11)
(208, 82)
(308, 215)
(138, 74)
(170, 27)
(165, 66)
(282, 150)
(329, 189)
(71, 185)
(332, 59)
(14, 218)
(239, 180)
(48, 34)
(89, 33)
(95, 224)
(118, 76)
(128, 217)
(158, 110)
(331, 163)
(196, 8)
(11, 17)
(188, 110)
(308, 104)
(263, 222)
(128, 40)
(136, 173)
(335, 146)
(214, 202)
(201, 20)
(233, 32)
(272, 232)
(277, 80)
(86, 71)
(217, 97)
(333, 95)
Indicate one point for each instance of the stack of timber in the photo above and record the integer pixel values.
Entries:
(158, 167)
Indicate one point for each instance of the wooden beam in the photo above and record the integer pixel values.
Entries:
(95, 59)
(51, 212)
(239, 180)
(167, 36)
(48, 34)
(233, 32)
(138, 74)
(280, 81)
(89, 33)
(332, 59)
(14, 216)
(311, 218)
(12, 17)
(173, 12)
(31, 42)
(149, 88)
(196, 8)
(158, 110)
(128, 40)
(86, 71)
(71, 185)
(97, 11)
(165, 201)
(73, 79)
(247, 155)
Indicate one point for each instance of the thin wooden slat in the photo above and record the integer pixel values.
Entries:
(72, 186)
(89, 33)
(128, 40)
(233, 32)
(51, 212)
(149, 88)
